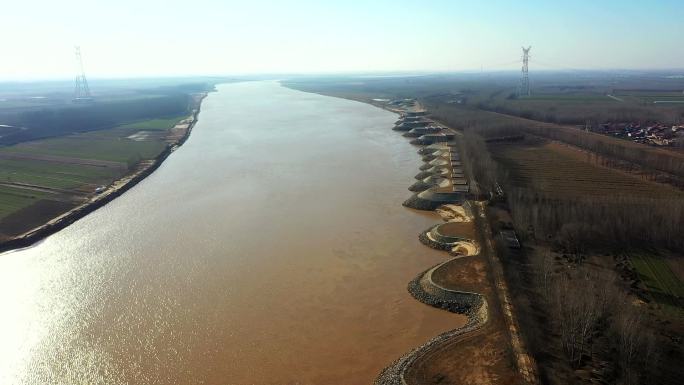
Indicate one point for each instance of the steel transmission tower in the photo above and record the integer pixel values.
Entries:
(524, 89)
(81, 89)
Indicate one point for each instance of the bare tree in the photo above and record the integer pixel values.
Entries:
(544, 270)
(636, 343)
(581, 301)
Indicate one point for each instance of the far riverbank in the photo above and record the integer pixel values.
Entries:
(114, 190)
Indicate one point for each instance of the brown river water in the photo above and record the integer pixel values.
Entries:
(272, 248)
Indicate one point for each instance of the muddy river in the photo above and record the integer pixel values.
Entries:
(272, 248)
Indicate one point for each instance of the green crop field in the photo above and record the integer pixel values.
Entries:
(153, 124)
(52, 174)
(54, 153)
(93, 145)
(662, 283)
(64, 178)
(558, 170)
(72, 177)
(109, 145)
(14, 199)
(648, 97)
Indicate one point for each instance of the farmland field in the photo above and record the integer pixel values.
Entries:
(14, 199)
(153, 124)
(650, 96)
(558, 170)
(55, 154)
(52, 174)
(663, 284)
(93, 145)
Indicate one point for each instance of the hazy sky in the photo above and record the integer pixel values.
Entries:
(122, 38)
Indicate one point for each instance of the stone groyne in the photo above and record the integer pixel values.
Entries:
(425, 290)
(450, 201)
(452, 208)
(430, 200)
(423, 185)
(431, 194)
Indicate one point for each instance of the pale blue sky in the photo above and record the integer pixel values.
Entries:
(121, 38)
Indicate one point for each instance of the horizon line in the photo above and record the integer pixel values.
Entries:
(396, 73)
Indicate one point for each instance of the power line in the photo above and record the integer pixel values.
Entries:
(557, 67)
(498, 65)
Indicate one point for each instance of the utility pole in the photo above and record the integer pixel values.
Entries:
(524, 88)
(81, 89)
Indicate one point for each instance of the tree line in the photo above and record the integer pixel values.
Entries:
(492, 125)
(586, 313)
(595, 320)
(63, 120)
(578, 113)
(656, 159)
(579, 225)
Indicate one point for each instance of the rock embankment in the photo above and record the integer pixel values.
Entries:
(424, 174)
(462, 247)
(425, 290)
(430, 195)
(418, 203)
(421, 186)
(425, 239)
(443, 162)
(431, 199)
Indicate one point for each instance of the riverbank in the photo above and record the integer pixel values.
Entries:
(488, 348)
(114, 190)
